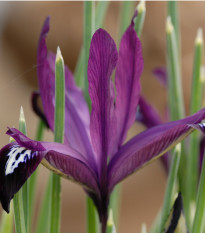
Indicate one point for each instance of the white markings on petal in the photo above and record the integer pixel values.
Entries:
(16, 156)
(202, 125)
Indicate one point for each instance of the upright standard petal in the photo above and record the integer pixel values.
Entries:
(151, 144)
(77, 118)
(61, 159)
(101, 63)
(127, 79)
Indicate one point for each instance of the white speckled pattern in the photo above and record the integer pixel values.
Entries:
(15, 157)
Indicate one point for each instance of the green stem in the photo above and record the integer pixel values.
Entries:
(171, 183)
(110, 223)
(89, 27)
(92, 217)
(58, 137)
(172, 11)
(126, 15)
(20, 205)
(25, 188)
(196, 102)
(33, 178)
(99, 18)
(44, 213)
(6, 225)
(199, 219)
(140, 17)
(174, 76)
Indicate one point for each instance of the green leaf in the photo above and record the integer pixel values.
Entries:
(33, 178)
(6, 225)
(170, 188)
(45, 212)
(141, 8)
(199, 219)
(19, 204)
(92, 217)
(99, 18)
(127, 11)
(58, 137)
(196, 104)
(110, 223)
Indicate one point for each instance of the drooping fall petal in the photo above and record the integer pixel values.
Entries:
(127, 79)
(102, 61)
(151, 144)
(148, 116)
(18, 160)
(16, 165)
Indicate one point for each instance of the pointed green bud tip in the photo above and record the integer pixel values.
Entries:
(144, 228)
(59, 55)
(169, 25)
(199, 37)
(178, 148)
(110, 221)
(22, 116)
(11, 139)
(141, 7)
(192, 210)
(202, 74)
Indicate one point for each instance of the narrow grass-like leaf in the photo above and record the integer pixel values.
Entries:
(144, 228)
(175, 93)
(127, 11)
(156, 225)
(18, 203)
(92, 217)
(44, 213)
(19, 213)
(88, 30)
(110, 223)
(196, 102)
(25, 189)
(172, 178)
(99, 18)
(33, 178)
(6, 225)
(58, 137)
(174, 76)
(172, 11)
(101, 10)
(141, 9)
(199, 219)
(115, 203)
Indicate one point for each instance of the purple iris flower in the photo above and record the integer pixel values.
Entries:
(94, 153)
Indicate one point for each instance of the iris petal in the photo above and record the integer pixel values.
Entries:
(151, 144)
(17, 163)
(77, 119)
(101, 63)
(127, 79)
(61, 159)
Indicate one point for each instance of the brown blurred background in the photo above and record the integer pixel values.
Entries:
(20, 25)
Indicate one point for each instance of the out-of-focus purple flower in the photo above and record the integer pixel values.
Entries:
(161, 74)
(93, 153)
(148, 116)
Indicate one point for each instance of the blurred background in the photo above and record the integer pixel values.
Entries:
(20, 25)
